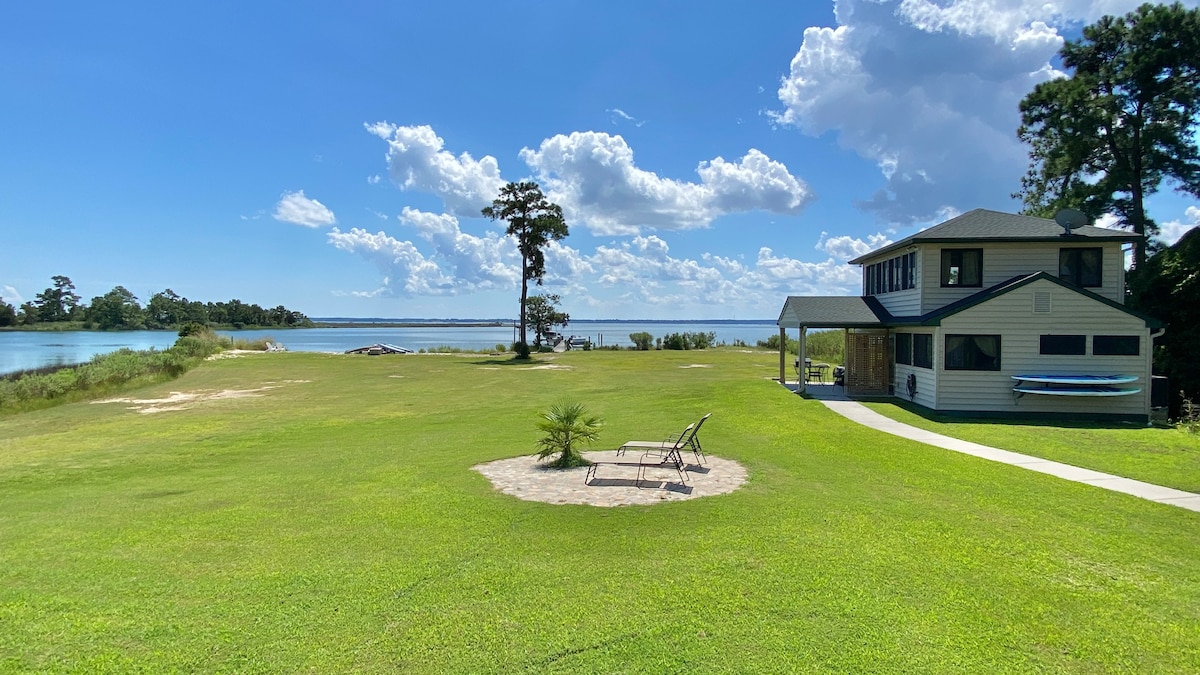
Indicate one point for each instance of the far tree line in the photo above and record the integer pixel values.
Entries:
(119, 309)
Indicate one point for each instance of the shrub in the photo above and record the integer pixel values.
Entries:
(501, 348)
(567, 426)
(521, 349)
(641, 341)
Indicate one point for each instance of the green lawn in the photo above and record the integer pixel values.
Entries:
(1168, 457)
(334, 524)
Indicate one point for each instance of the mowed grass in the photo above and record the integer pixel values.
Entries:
(334, 524)
(1169, 457)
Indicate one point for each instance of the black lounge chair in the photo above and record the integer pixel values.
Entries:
(665, 455)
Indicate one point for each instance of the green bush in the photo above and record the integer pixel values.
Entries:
(521, 350)
(641, 341)
(689, 340)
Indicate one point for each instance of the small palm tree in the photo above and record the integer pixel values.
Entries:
(567, 425)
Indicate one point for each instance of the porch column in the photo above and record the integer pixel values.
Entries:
(803, 378)
(782, 355)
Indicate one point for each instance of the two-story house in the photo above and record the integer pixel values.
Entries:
(992, 313)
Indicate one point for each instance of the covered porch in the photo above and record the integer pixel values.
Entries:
(864, 322)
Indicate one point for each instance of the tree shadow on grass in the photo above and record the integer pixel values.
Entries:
(504, 361)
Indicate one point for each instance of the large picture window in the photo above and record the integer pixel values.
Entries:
(972, 352)
(1075, 345)
(962, 267)
(904, 342)
(923, 350)
(1081, 266)
(1116, 345)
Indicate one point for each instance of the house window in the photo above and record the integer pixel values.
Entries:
(1064, 344)
(923, 350)
(972, 352)
(962, 267)
(891, 275)
(904, 343)
(1080, 266)
(1116, 345)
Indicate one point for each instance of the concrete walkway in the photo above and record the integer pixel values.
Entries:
(853, 410)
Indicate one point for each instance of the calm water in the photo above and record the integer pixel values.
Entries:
(22, 350)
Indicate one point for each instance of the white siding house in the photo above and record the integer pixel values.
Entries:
(988, 303)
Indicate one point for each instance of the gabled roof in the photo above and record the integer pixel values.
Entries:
(867, 312)
(843, 311)
(981, 226)
(935, 317)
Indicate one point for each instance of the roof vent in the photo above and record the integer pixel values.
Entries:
(1041, 302)
(1070, 219)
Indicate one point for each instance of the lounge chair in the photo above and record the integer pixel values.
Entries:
(693, 443)
(664, 455)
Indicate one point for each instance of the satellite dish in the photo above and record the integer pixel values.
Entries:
(1070, 219)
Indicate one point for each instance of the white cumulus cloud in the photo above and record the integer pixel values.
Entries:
(1172, 231)
(295, 208)
(928, 90)
(417, 161)
(453, 262)
(11, 296)
(592, 175)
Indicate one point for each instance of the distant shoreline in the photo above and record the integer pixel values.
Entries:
(410, 324)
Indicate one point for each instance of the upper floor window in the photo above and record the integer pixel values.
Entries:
(962, 267)
(1080, 266)
(889, 276)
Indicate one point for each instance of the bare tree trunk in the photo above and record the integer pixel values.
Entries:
(524, 294)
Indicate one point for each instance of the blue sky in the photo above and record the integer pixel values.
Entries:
(712, 158)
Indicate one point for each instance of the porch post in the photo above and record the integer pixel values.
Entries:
(782, 355)
(803, 378)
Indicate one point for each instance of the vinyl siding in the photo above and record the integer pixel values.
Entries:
(926, 377)
(1011, 317)
(1004, 261)
(902, 303)
(899, 303)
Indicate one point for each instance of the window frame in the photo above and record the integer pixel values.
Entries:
(947, 264)
(1072, 258)
(1062, 345)
(904, 351)
(923, 358)
(1137, 342)
(971, 340)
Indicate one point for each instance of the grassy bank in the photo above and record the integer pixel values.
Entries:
(328, 520)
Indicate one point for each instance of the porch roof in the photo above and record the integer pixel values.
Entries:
(845, 311)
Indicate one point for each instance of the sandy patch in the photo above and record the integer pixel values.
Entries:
(697, 365)
(183, 400)
(526, 478)
(232, 354)
(549, 366)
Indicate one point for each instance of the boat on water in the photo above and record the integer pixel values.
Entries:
(379, 349)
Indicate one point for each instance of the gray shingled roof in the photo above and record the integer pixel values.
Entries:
(849, 311)
(859, 312)
(982, 225)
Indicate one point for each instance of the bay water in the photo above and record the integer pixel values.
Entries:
(23, 350)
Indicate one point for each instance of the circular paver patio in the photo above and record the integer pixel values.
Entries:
(526, 478)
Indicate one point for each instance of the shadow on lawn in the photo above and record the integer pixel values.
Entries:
(505, 361)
